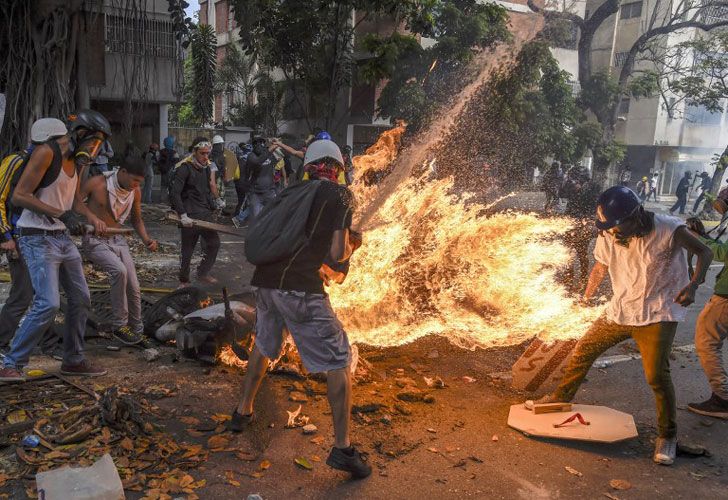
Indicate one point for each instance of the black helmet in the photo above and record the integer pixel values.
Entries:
(616, 205)
(90, 120)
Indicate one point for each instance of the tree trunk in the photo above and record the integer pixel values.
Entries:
(83, 98)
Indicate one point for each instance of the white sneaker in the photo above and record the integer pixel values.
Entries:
(665, 451)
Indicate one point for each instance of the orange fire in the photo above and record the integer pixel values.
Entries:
(432, 264)
(228, 357)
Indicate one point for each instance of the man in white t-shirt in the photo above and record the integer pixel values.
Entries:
(645, 256)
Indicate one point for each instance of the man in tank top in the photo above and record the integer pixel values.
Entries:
(113, 197)
(49, 193)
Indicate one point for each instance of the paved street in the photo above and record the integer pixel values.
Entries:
(460, 446)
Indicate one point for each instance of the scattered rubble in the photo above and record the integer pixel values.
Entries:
(573, 471)
(310, 429)
(620, 484)
(151, 354)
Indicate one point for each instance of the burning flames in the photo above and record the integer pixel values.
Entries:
(228, 357)
(432, 264)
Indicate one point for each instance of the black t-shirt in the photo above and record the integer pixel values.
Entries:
(331, 211)
(261, 170)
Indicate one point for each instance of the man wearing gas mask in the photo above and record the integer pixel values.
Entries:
(261, 165)
(645, 256)
(49, 193)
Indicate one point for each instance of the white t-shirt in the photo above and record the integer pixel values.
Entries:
(646, 276)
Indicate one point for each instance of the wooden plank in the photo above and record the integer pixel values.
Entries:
(220, 228)
(551, 407)
(70, 382)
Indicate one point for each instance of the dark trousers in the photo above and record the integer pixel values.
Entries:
(655, 344)
(240, 191)
(682, 200)
(19, 299)
(578, 239)
(210, 245)
(697, 202)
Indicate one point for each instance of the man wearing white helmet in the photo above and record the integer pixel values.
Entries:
(290, 294)
(21, 290)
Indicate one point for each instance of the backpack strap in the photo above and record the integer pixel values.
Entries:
(56, 164)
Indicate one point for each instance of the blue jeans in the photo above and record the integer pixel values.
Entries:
(52, 261)
(259, 200)
(147, 188)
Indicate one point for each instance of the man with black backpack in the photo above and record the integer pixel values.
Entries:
(49, 193)
(315, 218)
(21, 289)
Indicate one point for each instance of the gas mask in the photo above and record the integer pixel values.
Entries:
(86, 148)
(323, 169)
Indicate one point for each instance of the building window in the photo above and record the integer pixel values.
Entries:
(620, 58)
(624, 106)
(630, 10)
(702, 115)
(221, 16)
(714, 14)
(150, 37)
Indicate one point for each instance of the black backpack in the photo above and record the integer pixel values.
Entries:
(166, 161)
(279, 231)
(14, 212)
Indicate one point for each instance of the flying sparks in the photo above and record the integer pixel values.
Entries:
(432, 263)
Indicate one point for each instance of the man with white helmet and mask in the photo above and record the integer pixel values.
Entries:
(290, 294)
(49, 193)
(21, 289)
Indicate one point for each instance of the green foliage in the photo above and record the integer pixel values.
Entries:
(263, 113)
(313, 42)
(600, 93)
(558, 32)
(420, 80)
(646, 84)
(524, 114)
(203, 64)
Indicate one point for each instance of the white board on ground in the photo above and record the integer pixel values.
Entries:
(606, 425)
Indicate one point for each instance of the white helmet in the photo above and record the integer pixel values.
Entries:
(217, 139)
(320, 149)
(47, 128)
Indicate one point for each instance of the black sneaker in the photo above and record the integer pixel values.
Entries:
(126, 336)
(238, 423)
(349, 460)
(146, 342)
(715, 406)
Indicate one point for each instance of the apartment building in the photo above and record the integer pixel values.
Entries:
(669, 143)
(121, 46)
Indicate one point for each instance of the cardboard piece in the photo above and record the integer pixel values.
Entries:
(606, 425)
(541, 367)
